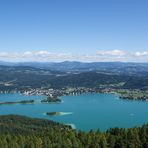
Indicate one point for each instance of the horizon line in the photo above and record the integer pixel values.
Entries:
(64, 61)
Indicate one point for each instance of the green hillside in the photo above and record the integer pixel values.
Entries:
(24, 132)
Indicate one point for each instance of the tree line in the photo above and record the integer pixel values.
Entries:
(23, 132)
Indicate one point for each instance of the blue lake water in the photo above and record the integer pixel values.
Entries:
(85, 112)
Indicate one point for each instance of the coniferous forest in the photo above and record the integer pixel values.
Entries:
(24, 132)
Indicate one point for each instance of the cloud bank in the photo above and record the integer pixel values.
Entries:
(100, 56)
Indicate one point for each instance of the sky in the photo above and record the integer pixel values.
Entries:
(75, 30)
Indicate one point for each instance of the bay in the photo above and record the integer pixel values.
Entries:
(83, 112)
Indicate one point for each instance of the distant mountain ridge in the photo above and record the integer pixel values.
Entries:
(73, 74)
(115, 67)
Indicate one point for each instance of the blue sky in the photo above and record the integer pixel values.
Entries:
(73, 28)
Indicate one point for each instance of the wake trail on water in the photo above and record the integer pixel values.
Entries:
(73, 126)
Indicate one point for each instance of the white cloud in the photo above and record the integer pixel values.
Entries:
(144, 53)
(42, 53)
(115, 52)
(3, 54)
(27, 53)
(100, 56)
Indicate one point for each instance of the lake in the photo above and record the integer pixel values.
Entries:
(85, 111)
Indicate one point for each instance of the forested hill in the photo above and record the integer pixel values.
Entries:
(113, 67)
(23, 132)
(23, 77)
(16, 124)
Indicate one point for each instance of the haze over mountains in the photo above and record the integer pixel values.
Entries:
(72, 74)
(114, 67)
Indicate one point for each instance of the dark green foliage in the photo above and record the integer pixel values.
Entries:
(24, 132)
(23, 78)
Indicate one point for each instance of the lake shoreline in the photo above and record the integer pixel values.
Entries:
(77, 108)
(53, 95)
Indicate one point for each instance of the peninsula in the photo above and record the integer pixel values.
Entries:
(17, 102)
